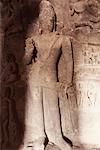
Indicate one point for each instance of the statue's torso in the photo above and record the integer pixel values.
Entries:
(48, 49)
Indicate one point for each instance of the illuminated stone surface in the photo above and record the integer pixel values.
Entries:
(87, 79)
(77, 34)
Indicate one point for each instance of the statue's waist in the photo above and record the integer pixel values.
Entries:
(43, 84)
(44, 65)
(43, 72)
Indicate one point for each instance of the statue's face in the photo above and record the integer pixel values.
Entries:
(47, 24)
(46, 16)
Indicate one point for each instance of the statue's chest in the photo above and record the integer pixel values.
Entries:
(44, 46)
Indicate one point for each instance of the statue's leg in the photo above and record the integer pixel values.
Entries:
(52, 118)
(34, 122)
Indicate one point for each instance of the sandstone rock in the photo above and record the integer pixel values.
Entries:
(52, 147)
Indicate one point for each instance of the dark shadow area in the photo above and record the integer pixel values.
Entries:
(16, 16)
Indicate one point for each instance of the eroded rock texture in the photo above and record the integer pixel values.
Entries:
(86, 47)
(50, 64)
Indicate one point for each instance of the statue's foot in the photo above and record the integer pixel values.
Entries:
(38, 147)
(32, 146)
(52, 146)
(78, 147)
(63, 145)
(37, 144)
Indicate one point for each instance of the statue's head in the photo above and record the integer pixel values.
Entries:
(46, 16)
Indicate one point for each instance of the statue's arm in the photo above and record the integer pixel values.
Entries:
(29, 48)
(68, 57)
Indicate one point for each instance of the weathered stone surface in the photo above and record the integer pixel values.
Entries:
(86, 69)
(42, 55)
(86, 45)
(52, 147)
(77, 25)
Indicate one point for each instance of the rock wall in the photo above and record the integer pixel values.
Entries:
(79, 109)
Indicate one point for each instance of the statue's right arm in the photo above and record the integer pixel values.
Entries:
(28, 51)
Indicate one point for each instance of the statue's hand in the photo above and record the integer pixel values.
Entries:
(71, 91)
(65, 89)
(62, 88)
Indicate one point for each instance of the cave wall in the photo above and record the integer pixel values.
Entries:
(20, 20)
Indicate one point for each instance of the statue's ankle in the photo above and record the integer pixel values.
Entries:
(55, 140)
(39, 142)
(52, 146)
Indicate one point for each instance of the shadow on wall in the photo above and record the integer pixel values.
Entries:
(16, 15)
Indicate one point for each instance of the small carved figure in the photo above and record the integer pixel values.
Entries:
(11, 17)
(9, 76)
(42, 55)
(85, 14)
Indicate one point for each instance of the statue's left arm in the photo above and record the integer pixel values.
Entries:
(68, 57)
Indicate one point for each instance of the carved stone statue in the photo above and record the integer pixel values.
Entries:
(42, 54)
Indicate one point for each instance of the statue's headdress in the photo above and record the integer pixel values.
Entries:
(47, 12)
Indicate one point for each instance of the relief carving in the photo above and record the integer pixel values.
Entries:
(9, 114)
(42, 54)
(12, 18)
(86, 94)
(46, 87)
(86, 46)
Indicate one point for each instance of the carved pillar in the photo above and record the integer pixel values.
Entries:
(87, 79)
(85, 16)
